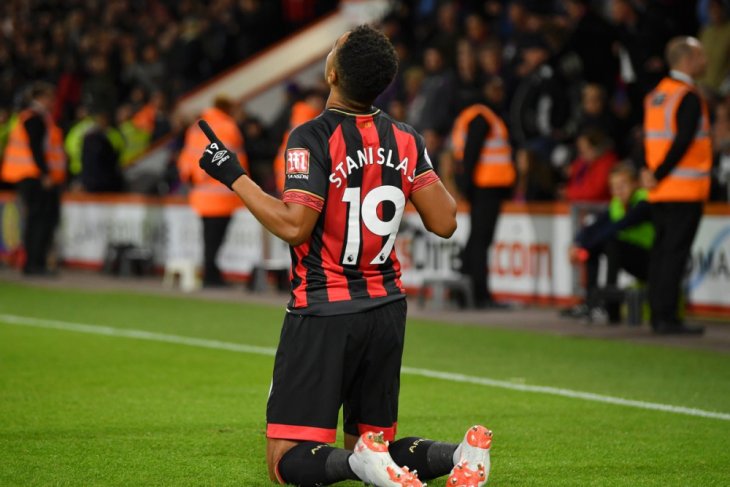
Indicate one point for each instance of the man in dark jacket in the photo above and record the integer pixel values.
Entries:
(100, 170)
(34, 161)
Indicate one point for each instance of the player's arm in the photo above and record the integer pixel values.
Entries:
(291, 222)
(437, 209)
(433, 202)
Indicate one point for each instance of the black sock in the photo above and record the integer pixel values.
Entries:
(432, 459)
(311, 464)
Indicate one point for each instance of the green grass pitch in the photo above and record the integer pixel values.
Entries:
(81, 409)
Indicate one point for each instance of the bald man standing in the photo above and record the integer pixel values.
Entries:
(679, 159)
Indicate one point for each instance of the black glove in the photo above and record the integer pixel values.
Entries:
(217, 161)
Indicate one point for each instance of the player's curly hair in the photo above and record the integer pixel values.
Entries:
(366, 63)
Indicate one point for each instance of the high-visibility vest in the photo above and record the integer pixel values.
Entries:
(136, 142)
(641, 235)
(116, 139)
(75, 143)
(144, 119)
(690, 179)
(5, 129)
(18, 162)
(494, 168)
(209, 197)
(300, 112)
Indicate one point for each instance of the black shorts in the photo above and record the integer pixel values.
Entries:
(324, 362)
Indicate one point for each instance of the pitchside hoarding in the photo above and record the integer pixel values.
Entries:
(709, 273)
(528, 259)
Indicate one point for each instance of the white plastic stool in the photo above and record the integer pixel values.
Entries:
(442, 288)
(186, 273)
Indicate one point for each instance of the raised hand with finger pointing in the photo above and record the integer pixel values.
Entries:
(220, 163)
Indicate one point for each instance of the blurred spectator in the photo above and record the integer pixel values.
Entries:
(297, 13)
(436, 94)
(397, 109)
(75, 141)
(136, 139)
(595, 113)
(98, 52)
(151, 118)
(467, 84)
(495, 95)
(535, 181)
(521, 26)
(446, 35)
(721, 147)
(491, 62)
(412, 83)
(588, 173)
(292, 94)
(624, 234)
(592, 38)
(8, 120)
(149, 71)
(642, 34)
(255, 21)
(102, 145)
(545, 103)
(715, 38)
(68, 96)
(100, 90)
(476, 30)
(261, 149)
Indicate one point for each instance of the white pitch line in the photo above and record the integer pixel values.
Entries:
(555, 391)
(433, 374)
(137, 334)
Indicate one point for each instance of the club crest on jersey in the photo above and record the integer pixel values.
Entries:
(297, 163)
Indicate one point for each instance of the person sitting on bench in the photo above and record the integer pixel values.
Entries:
(624, 234)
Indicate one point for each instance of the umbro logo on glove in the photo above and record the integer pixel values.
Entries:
(217, 160)
(220, 155)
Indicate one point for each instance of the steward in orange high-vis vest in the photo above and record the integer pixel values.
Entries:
(689, 179)
(35, 162)
(214, 202)
(481, 146)
(494, 166)
(19, 162)
(678, 156)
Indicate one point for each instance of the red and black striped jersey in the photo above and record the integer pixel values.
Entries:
(358, 171)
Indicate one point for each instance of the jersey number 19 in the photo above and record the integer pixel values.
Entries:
(368, 212)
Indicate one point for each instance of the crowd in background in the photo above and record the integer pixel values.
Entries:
(567, 76)
(122, 64)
